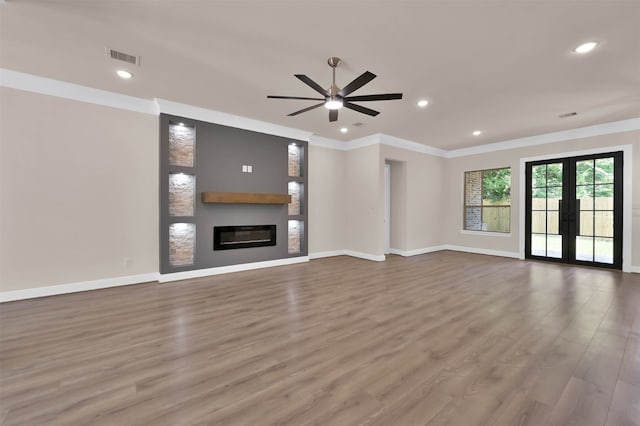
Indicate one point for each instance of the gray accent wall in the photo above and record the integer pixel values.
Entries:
(220, 153)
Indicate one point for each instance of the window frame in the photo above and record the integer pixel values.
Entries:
(482, 206)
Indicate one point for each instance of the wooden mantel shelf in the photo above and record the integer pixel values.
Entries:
(244, 198)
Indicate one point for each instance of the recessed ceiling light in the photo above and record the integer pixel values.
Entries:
(586, 47)
(423, 103)
(344, 130)
(124, 74)
(477, 132)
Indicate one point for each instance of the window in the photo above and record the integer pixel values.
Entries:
(487, 200)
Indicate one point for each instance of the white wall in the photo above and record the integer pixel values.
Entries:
(365, 201)
(79, 191)
(454, 175)
(327, 203)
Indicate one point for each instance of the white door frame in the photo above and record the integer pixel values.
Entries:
(387, 208)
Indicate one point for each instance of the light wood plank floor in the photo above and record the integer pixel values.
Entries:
(440, 339)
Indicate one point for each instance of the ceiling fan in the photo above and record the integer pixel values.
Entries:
(335, 98)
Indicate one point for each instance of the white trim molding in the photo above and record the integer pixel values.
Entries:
(322, 142)
(31, 293)
(231, 120)
(76, 92)
(367, 256)
(486, 233)
(360, 255)
(363, 142)
(565, 135)
(416, 252)
(476, 250)
(47, 86)
(411, 146)
(199, 273)
(321, 254)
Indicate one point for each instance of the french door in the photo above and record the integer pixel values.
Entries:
(574, 210)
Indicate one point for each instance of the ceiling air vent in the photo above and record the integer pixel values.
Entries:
(568, 114)
(358, 124)
(121, 56)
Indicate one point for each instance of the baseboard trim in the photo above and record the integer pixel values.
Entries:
(199, 273)
(633, 269)
(32, 293)
(360, 255)
(415, 252)
(476, 250)
(367, 256)
(321, 254)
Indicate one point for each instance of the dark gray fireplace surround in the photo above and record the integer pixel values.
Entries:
(220, 153)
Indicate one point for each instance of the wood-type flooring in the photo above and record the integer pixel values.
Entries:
(444, 338)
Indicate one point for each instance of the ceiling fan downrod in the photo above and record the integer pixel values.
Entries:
(333, 62)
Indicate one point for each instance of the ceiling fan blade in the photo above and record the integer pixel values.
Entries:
(359, 108)
(305, 109)
(381, 97)
(295, 97)
(333, 115)
(315, 86)
(360, 81)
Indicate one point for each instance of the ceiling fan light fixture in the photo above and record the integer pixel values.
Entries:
(333, 102)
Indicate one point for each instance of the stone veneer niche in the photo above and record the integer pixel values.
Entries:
(197, 157)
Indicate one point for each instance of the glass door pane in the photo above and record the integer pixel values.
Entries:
(584, 214)
(603, 210)
(546, 204)
(594, 201)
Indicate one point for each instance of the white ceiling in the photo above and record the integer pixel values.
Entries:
(505, 67)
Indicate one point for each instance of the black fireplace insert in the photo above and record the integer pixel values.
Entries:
(236, 237)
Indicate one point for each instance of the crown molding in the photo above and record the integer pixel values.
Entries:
(47, 86)
(411, 146)
(231, 120)
(323, 142)
(565, 135)
(364, 141)
(76, 92)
